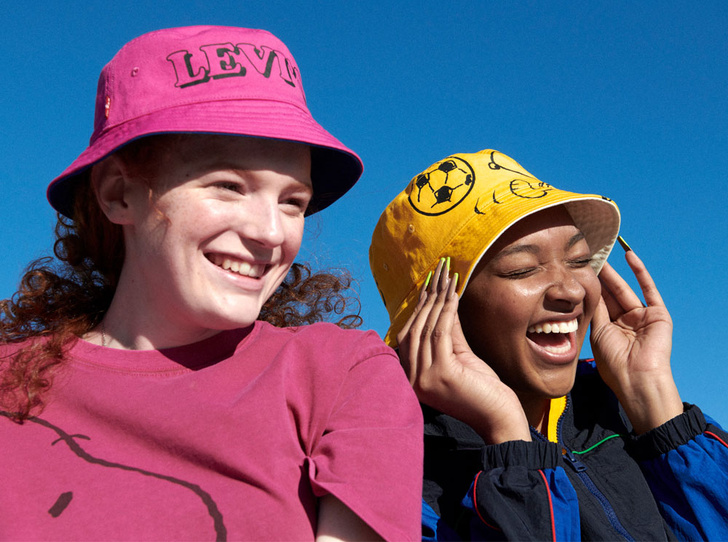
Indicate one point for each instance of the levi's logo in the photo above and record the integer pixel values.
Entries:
(221, 60)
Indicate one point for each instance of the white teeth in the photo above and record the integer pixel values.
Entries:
(241, 268)
(555, 327)
(559, 349)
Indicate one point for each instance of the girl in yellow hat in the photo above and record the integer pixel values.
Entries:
(491, 279)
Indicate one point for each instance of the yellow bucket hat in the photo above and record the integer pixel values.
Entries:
(457, 208)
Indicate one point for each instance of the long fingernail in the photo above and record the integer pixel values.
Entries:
(447, 265)
(427, 280)
(624, 244)
(453, 286)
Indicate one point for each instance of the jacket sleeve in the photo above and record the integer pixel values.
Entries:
(685, 462)
(521, 494)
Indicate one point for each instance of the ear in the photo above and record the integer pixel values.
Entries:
(113, 189)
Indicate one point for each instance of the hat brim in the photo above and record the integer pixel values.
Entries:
(334, 167)
(596, 217)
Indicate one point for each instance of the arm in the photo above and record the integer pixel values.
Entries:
(337, 522)
(520, 493)
(684, 459)
(685, 463)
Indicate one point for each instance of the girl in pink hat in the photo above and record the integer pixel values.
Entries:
(159, 379)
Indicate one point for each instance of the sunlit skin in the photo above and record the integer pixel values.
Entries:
(475, 359)
(218, 201)
(538, 272)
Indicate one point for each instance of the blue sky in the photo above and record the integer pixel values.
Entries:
(625, 99)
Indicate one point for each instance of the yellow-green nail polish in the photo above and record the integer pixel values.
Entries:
(624, 244)
(427, 280)
(447, 265)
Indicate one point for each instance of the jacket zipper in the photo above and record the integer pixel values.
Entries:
(580, 469)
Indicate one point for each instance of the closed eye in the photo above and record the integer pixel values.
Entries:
(518, 273)
(581, 262)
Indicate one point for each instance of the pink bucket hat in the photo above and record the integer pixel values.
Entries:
(212, 80)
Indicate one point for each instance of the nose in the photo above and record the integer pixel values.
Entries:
(262, 223)
(565, 290)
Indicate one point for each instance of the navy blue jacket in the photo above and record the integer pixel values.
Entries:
(599, 483)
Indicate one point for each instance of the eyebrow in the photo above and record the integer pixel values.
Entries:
(533, 249)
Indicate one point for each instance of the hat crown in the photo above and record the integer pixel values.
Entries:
(198, 64)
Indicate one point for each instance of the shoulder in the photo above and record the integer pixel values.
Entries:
(323, 340)
(8, 350)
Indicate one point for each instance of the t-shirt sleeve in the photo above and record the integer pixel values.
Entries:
(369, 454)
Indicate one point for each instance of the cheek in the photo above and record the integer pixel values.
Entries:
(489, 324)
(294, 237)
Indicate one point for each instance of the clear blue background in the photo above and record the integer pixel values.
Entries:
(625, 99)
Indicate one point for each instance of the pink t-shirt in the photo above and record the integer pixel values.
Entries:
(230, 438)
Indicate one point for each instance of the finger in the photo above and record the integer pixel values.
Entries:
(644, 279)
(435, 341)
(614, 309)
(602, 317)
(424, 292)
(415, 338)
(442, 321)
(402, 336)
(620, 290)
(435, 283)
(444, 279)
(428, 312)
(409, 337)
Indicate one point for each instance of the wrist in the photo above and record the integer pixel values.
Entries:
(503, 429)
(651, 404)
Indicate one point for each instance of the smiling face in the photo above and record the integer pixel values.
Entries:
(528, 304)
(217, 236)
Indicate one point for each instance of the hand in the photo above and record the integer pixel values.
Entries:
(632, 343)
(447, 375)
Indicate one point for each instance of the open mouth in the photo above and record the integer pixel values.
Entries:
(239, 267)
(554, 337)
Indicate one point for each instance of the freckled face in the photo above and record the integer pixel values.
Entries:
(220, 233)
(528, 304)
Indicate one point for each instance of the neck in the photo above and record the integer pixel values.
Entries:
(131, 324)
(537, 413)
